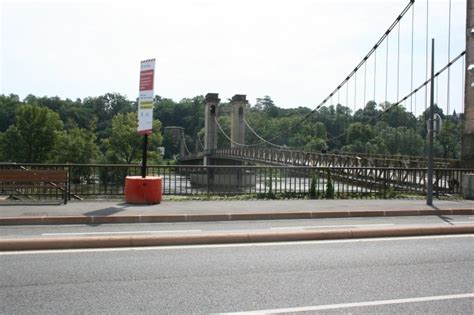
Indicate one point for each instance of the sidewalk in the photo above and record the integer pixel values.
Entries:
(98, 212)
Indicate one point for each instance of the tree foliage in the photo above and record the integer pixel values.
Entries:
(33, 135)
(103, 128)
(76, 146)
(124, 146)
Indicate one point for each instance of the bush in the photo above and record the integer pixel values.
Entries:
(329, 186)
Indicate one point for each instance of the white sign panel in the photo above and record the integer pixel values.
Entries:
(145, 100)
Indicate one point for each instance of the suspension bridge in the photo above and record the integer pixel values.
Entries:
(391, 69)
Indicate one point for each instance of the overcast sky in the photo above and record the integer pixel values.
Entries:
(296, 51)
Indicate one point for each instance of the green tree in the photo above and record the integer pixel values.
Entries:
(329, 186)
(359, 132)
(369, 114)
(102, 109)
(76, 146)
(7, 110)
(125, 145)
(32, 137)
(268, 107)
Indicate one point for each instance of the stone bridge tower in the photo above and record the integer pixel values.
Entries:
(468, 134)
(237, 127)
(210, 137)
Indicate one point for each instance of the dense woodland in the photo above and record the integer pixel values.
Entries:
(103, 129)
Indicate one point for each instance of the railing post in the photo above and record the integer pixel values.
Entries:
(68, 188)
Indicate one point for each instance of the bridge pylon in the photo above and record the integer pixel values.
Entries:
(467, 151)
(237, 127)
(210, 136)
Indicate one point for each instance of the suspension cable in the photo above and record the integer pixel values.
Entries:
(411, 93)
(365, 81)
(398, 63)
(411, 69)
(375, 74)
(386, 72)
(184, 141)
(228, 138)
(347, 94)
(359, 65)
(242, 144)
(258, 136)
(355, 93)
(200, 141)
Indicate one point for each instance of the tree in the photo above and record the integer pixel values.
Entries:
(76, 146)
(268, 106)
(7, 110)
(448, 140)
(329, 185)
(369, 114)
(125, 145)
(397, 116)
(104, 108)
(31, 139)
(359, 132)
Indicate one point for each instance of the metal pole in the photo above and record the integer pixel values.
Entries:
(145, 149)
(429, 196)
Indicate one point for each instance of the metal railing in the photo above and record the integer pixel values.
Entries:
(102, 180)
(303, 158)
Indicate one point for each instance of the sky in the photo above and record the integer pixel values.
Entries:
(295, 51)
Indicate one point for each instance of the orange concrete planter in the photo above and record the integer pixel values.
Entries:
(146, 190)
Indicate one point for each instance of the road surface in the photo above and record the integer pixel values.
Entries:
(393, 275)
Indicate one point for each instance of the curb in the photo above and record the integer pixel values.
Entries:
(81, 219)
(225, 238)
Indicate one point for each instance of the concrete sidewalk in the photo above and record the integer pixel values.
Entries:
(181, 211)
(98, 212)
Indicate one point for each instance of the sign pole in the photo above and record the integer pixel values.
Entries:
(144, 189)
(144, 155)
(145, 106)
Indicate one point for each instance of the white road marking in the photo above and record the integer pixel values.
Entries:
(126, 232)
(463, 222)
(327, 226)
(359, 304)
(181, 247)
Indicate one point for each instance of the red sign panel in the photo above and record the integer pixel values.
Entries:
(146, 80)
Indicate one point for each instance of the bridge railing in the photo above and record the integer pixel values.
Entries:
(304, 158)
(107, 180)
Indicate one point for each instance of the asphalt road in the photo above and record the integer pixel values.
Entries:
(41, 231)
(401, 275)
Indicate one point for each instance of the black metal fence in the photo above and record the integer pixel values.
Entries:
(101, 180)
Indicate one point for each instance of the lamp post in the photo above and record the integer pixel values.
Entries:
(429, 188)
